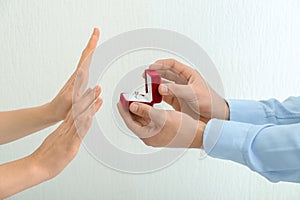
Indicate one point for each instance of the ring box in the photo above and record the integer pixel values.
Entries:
(152, 96)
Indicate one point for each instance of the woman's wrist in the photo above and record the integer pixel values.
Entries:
(50, 114)
(20, 175)
(37, 169)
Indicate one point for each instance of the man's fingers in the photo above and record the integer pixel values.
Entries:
(168, 72)
(142, 121)
(171, 76)
(178, 96)
(175, 66)
(176, 90)
(145, 122)
(147, 112)
(130, 123)
(172, 101)
(137, 124)
(140, 109)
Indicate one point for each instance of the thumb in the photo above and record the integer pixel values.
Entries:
(145, 111)
(176, 90)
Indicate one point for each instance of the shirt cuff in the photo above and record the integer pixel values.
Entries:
(226, 140)
(247, 111)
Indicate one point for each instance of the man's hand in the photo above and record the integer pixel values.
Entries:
(162, 128)
(62, 103)
(189, 92)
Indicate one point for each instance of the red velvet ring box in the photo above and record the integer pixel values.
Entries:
(152, 81)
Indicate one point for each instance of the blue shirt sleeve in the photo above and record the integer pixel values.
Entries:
(265, 112)
(271, 150)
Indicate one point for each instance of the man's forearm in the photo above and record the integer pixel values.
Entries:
(19, 175)
(271, 150)
(20, 123)
(265, 112)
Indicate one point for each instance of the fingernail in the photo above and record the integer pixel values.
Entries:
(164, 89)
(134, 107)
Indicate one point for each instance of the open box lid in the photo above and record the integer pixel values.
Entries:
(152, 96)
(152, 81)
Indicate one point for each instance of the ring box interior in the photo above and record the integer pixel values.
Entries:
(152, 96)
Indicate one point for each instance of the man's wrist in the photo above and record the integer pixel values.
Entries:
(227, 110)
(201, 128)
(198, 140)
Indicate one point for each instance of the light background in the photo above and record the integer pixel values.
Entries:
(254, 44)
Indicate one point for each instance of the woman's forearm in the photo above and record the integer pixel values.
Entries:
(20, 123)
(19, 175)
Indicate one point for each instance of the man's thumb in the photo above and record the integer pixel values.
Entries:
(175, 90)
